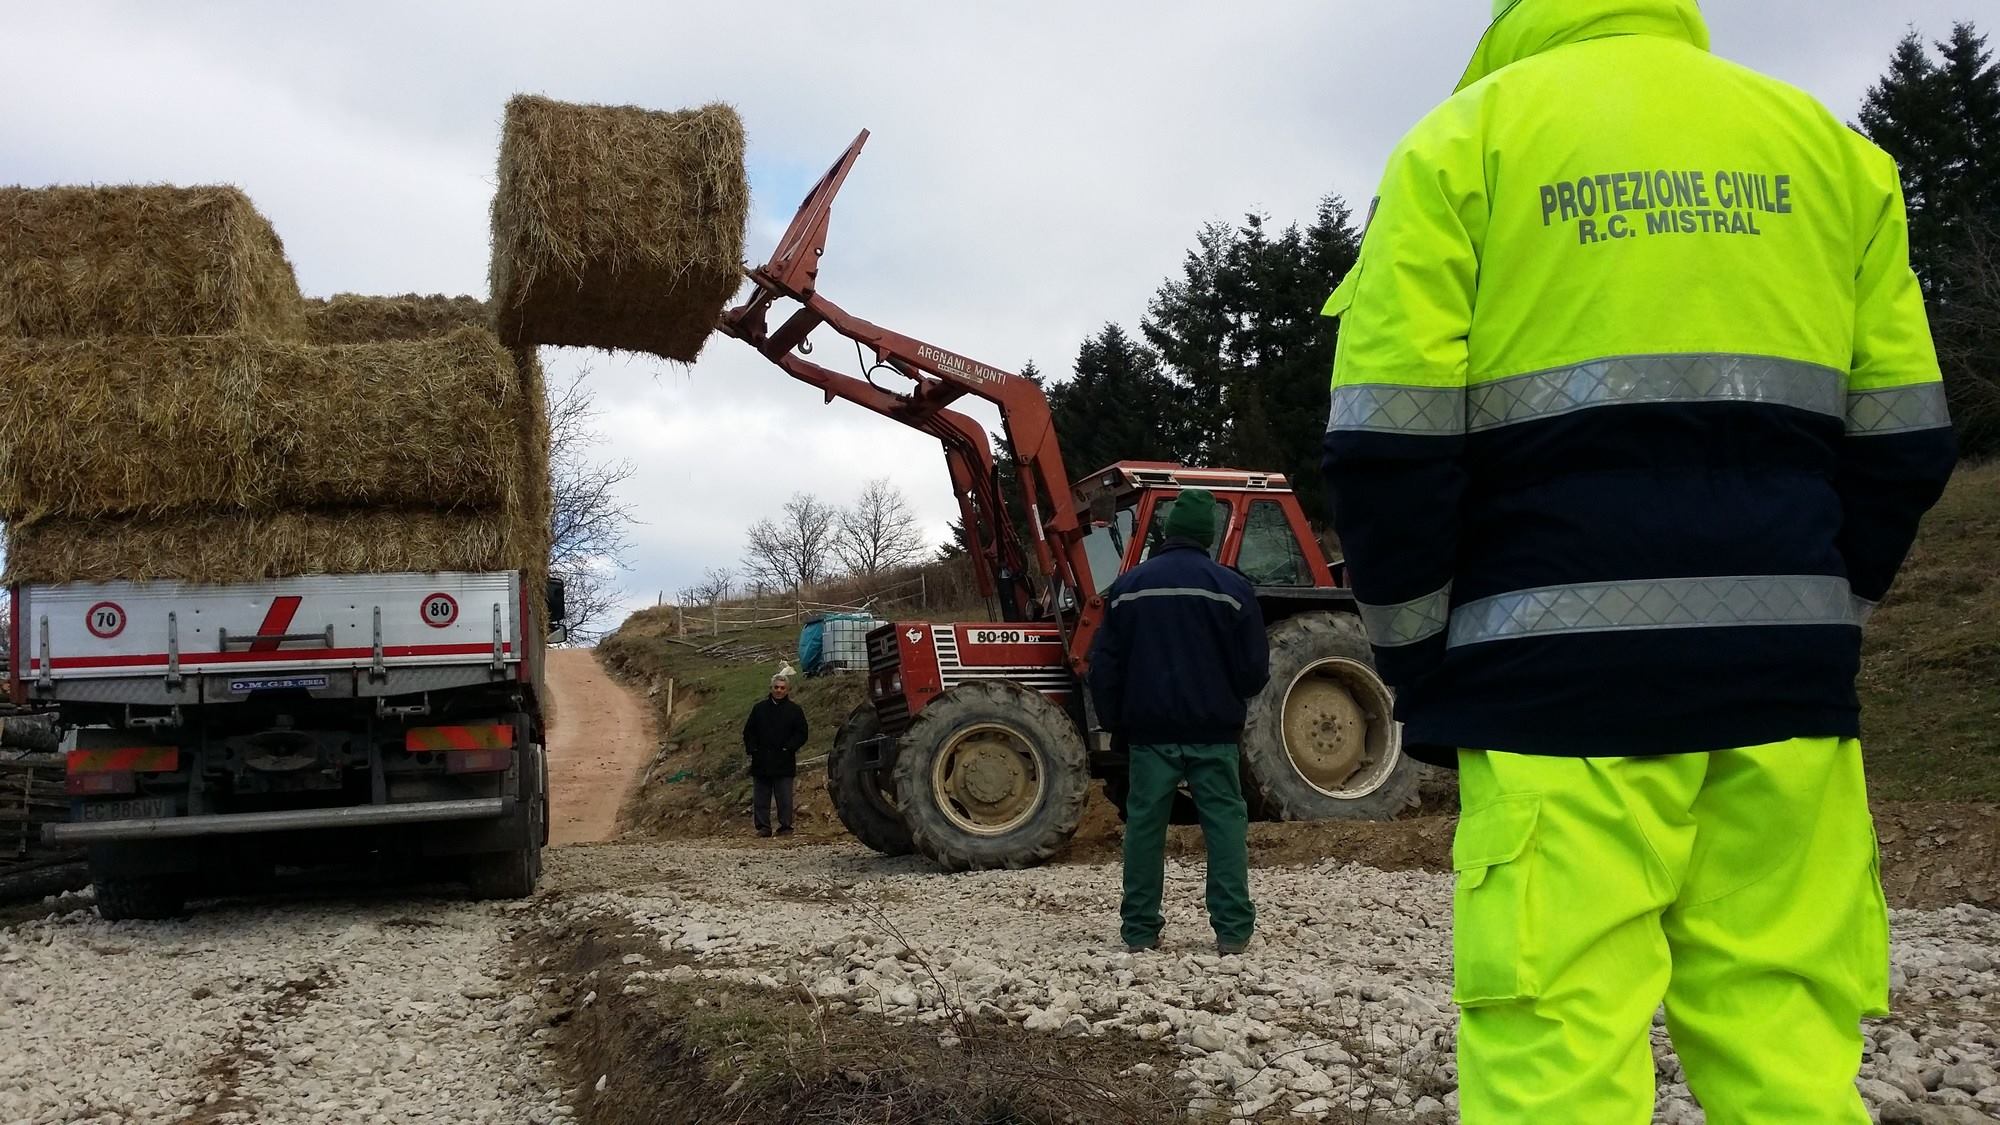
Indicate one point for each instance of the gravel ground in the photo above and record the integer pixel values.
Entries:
(1341, 1003)
(324, 1011)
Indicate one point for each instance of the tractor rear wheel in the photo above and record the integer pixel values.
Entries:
(991, 775)
(864, 799)
(1319, 742)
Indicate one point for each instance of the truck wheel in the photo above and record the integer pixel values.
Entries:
(864, 799)
(140, 898)
(991, 775)
(514, 872)
(508, 874)
(1319, 742)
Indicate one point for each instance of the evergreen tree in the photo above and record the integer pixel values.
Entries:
(1118, 406)
(1940, 119)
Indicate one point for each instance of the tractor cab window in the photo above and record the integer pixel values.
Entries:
(1156, 535)
(1270, 554)
(1105, 547)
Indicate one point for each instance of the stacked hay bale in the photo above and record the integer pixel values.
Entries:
(171, 409)
(617, 227)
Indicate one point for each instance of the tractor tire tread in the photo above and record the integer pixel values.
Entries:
(1271, 785)
(1048, 832)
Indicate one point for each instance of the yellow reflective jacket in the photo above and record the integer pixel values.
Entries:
(1635, 407)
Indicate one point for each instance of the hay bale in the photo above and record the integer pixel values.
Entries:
(156, 425)
(249, 547)
(350, 318)
(169, 261)
(617, 227)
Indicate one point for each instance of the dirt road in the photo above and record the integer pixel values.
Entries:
(600, 739)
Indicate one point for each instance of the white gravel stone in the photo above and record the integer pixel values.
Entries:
(298, 1013)
(1342, 1004)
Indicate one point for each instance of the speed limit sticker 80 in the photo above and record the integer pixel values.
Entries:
(440, 610)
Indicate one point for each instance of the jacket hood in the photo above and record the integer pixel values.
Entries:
(1523, 28)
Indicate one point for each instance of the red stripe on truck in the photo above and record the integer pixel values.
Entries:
(276, 620)
(145, 660)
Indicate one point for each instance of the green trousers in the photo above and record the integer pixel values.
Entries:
(1212, 777)
(1741, 887)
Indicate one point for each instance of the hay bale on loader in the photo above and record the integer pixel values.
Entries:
(142, 260)
(350, 318)
(617, 227)
(160, 424)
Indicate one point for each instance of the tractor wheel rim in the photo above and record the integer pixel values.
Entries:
(988, 779)
(1337, 729)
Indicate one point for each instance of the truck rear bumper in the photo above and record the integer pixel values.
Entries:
(230, 824)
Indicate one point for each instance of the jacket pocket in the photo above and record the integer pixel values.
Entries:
(1493, 932)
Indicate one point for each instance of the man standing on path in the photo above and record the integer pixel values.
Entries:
(772, 736)
(1635, 411)
(1180, 649)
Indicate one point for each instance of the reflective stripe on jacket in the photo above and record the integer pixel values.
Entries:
(1180, 649)
(1635, 407)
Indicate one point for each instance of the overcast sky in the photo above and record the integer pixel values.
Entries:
(1036, 168)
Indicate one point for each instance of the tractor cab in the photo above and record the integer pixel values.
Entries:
(1261, 530)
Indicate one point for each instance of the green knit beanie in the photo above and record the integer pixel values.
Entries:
(1192, 516)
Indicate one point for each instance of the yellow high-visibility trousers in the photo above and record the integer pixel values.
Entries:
(1742, 887)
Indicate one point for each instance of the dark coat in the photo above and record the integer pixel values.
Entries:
(1180, 651)
(772, 736)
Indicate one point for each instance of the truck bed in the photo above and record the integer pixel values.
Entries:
(333, 636)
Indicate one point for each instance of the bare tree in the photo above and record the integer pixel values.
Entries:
(879, 532)
(715, 585)
(588, 522)
(795, 550)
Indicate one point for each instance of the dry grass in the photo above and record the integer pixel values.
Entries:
(153, 260)
(154, 425)
(617, 227)
(707, 1051)
(349, 318)
(251, 547)
(1930, 713)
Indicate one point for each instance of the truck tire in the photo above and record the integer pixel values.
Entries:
(864, 799)
(513, 873)
(991, 775)
(150, 897)
(1319, 742)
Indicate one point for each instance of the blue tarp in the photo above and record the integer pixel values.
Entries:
(812, 650)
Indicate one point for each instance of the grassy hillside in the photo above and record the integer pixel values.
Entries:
(1930, 677)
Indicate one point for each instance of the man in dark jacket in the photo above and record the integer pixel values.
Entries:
(772, 736)
(1180, 650)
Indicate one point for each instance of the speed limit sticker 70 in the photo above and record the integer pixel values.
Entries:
(105, 620)
(440, 610)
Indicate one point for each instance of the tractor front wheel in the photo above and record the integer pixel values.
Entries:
(991, 775)
(864, 799)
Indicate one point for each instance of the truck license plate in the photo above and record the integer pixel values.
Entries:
(131, 808)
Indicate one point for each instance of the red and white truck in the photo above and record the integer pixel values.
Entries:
(214, 733)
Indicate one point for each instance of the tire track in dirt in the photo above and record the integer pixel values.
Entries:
(600, 740)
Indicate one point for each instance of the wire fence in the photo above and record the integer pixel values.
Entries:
(736, 615)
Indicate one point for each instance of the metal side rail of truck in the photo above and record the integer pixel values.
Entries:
(213, 734)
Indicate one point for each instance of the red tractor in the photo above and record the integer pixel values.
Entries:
(977, 744)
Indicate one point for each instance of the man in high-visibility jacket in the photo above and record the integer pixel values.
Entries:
(1635, 411)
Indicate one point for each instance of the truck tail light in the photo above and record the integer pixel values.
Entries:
(123, 759)
(478, 736)
(477, 761)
